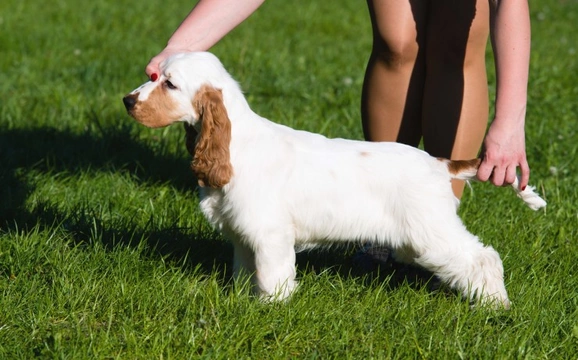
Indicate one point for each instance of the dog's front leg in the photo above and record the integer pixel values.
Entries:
(243, 262)
(274, 259)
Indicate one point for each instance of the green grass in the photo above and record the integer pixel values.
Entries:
(104, 253)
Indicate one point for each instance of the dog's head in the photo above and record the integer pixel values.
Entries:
(189, 90)
(171, 97)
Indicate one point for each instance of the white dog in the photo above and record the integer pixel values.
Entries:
(271, 189)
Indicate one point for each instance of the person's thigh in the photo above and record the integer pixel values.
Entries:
(393, 85)
(398, 27)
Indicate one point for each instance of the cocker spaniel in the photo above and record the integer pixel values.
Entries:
(271, 189)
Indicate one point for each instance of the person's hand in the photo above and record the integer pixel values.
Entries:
(153, 70)
(503, 151)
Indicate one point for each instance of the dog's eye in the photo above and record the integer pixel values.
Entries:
(170, 85)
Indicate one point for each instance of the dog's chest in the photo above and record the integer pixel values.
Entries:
(211, 204)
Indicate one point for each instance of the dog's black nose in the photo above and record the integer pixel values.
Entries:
(129, 101)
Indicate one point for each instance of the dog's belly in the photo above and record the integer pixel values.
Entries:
(366, 221)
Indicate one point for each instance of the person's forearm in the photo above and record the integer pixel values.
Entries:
(504, 145)
(510, 26)
(209, 21)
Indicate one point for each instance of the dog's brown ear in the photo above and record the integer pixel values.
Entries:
(211, 156)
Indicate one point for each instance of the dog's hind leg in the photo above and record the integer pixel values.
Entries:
(468, 266)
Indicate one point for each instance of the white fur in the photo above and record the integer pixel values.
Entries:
(294, 188)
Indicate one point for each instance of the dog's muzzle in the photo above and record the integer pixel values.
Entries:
(129, 101)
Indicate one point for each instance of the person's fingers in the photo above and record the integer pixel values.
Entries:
(498, 176)
(525, 174)
(501, 176)
(485, 171)
(152, 70)
(510, 175)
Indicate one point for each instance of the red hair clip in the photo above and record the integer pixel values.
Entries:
(154, 76)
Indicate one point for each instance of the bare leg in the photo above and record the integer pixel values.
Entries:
(455, 104)
(427, 77)
(395, 75)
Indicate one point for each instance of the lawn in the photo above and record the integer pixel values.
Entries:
(105, 255)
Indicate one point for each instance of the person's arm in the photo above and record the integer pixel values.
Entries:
(504, 144)
(206, 24)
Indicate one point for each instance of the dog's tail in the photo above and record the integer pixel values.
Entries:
(467, 170)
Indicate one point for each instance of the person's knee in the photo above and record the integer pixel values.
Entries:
(396, 53)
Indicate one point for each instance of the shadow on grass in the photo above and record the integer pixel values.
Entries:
(50, 150)
(53, 151)
(373, 264)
